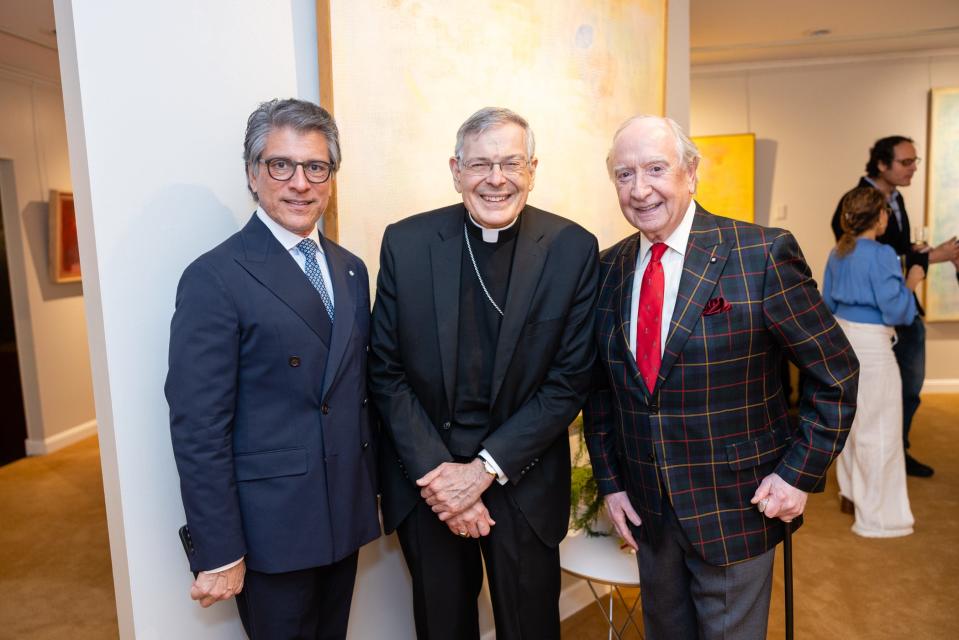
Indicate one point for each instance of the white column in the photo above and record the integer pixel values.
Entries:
(156, 98)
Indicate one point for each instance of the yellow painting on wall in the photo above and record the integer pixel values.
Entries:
(727, 175)
(407, 73)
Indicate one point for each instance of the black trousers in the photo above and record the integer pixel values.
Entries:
(311, 604)
(447, 574)
(910, 350)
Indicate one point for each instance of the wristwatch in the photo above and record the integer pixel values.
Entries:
(489, 468)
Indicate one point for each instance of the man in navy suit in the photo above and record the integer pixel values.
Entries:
(267, 394)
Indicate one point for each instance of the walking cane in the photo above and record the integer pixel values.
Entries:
(788, 578)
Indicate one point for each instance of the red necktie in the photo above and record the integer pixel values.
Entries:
(649, 317)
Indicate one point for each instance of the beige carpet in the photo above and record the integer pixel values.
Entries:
(55, 576)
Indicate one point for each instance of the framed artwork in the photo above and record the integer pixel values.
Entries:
(727, 175)
(942, 200)
(64, 247)
(575, 70)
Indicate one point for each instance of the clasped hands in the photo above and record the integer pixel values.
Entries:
(453, 490)
(775, 498)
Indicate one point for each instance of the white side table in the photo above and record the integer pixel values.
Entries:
(599, 560)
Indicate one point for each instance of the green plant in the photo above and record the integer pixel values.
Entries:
(584, 500)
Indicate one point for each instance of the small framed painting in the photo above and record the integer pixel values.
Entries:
(64, 246)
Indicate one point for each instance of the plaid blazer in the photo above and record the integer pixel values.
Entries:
(716, 424)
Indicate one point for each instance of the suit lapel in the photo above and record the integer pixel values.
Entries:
(344, 311)
(706, 255)
(446, 255)
(626, 264)
(528, 260)
(266, 260)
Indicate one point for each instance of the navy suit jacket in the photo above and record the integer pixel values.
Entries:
(268, 409)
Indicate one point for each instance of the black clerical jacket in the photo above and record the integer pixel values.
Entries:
(542, 363)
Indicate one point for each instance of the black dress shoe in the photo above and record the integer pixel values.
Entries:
(846, 505)
(918, 469)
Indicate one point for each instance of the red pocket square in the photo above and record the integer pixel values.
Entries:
(716, 305)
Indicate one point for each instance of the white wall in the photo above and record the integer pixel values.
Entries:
(814, 124)
(157, 96)
(49, 318)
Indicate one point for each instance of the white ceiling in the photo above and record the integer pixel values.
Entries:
(27, 40)
(30, 20)
(721, 31)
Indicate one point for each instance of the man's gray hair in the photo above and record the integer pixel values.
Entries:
(686, 149)
(301, 116)
(488, 117)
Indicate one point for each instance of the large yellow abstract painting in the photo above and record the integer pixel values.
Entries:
(727, 175)
(407, 73)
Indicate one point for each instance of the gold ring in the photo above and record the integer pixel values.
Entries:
(464, 534)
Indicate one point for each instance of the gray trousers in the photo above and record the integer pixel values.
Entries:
(684, 598)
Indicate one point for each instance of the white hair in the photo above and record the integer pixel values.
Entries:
(686, 149)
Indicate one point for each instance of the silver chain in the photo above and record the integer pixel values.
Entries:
(469, 248)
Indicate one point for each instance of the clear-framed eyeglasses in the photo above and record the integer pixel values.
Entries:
(483, 168)
(316, 171)
(908, 162)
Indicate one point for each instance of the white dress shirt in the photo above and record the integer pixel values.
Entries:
(892, 200)
(672, 273)
(289, 240)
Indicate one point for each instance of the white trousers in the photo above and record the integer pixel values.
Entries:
(872, 468)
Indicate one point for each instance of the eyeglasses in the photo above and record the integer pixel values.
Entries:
(483, 168)
(316, 171)
(908, 162)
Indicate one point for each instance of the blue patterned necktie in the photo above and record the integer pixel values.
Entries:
(308, 248)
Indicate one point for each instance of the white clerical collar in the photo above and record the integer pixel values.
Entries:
(286, 237)
(678, 239)
(490, 235)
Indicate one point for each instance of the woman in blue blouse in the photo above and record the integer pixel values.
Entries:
(863, 286)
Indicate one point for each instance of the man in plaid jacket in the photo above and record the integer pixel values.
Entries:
(687, 430)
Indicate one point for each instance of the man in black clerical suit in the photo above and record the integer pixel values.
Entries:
(481, 353)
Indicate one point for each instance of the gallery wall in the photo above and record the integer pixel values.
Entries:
(814, 123)
(575, 70)
(49, 317)
(155, 140)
